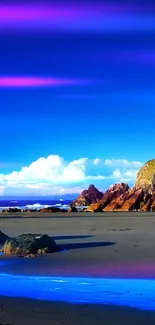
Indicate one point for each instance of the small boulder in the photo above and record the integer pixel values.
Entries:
(50, 209)
(28, 244)
(72, 208)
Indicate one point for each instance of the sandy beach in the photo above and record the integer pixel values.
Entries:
(93, 246)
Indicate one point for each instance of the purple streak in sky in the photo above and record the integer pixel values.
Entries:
(16, 82)
(15, 12)
(95, 17)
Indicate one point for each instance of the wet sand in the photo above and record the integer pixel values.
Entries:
(108, 245)
(32, 312)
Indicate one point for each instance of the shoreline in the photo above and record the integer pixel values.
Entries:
(76, 214)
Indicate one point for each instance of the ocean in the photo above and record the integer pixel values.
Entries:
(34, 204)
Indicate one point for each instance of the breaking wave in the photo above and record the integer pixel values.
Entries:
(32, 205)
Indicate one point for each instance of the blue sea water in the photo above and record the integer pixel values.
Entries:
(137, 293)
(34, 204)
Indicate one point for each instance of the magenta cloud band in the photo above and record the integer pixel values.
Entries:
(14, 12)
(75, 17)
(18, 81)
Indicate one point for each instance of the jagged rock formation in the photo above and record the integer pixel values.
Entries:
(110, 197)
(127, 201)
(88, 196)
(120, 197)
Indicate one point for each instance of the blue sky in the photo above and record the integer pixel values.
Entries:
(105, 55)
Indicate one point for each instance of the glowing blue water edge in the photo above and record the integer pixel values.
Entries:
(123, 292)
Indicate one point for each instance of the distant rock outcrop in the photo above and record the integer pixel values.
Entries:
(91, 195)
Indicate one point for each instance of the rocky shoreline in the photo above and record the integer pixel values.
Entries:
(119, 197)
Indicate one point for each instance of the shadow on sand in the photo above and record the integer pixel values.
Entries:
(70, 237)
(70, 246)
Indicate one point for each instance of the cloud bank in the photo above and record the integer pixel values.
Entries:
(53, 175)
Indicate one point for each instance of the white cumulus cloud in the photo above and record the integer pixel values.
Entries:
(52, 169)
(53, 175)
(124, 175)
(122, 163)
(96, 161)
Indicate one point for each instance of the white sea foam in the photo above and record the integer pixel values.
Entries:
(9, 207)
(36, 206)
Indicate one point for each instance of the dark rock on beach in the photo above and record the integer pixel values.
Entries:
(29, 244)
(50, 209)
